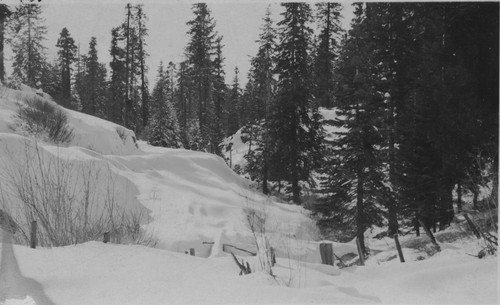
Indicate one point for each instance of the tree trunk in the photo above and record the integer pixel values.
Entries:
(459, 197)
(392, 204)
(2, 30)
(360, 216)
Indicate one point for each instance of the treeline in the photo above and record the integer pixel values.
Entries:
(414, 85)
(417, 93)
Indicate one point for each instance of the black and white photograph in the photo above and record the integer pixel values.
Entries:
(248, 152)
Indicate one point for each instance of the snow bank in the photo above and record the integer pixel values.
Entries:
(89, 132)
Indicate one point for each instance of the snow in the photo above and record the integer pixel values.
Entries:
(194, 200)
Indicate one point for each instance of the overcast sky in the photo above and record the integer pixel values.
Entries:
(238, 22)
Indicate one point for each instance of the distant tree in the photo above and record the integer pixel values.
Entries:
(5, 13)
(199, 52)
(67, 55)
(164, 127)
(234, 112)
(117, 96)
(51, 80)
(93, 99)
(329, 19)
(219, 98)
(28, 33)
(140, 19)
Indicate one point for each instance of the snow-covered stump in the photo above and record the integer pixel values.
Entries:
(105, 238)
(33, 235)
(326, 252)
(398, 246)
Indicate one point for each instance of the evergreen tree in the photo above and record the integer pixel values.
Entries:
(201, 69)
(67, 55)
(117, 97)
(219, 98)
(354, 180)
(234, 111)
(93, 98)
(142, 32)
(328, 16)
(295, 120)
(164, 127)
(51, 80)
(259, 96)
(28, 33)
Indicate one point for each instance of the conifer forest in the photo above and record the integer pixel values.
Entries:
(414, 87)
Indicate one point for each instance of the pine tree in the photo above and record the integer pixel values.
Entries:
(51, 80)
(353, 175)
(234, 111)
(28, 33)
(164, 127)
(93, 98)
(117, 88)
(142, 32)
(201, 69)
(329, 18)
(67, 55)
(295, 120)
(259, 96)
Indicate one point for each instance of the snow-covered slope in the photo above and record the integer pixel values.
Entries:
(89, 132)
(194, 200)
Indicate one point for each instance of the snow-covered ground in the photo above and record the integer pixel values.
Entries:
(194, 200)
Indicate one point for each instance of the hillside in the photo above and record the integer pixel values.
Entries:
(186, 199)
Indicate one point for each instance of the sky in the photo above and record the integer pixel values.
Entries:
(238, 22)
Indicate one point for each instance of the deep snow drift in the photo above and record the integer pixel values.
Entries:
(194, 200)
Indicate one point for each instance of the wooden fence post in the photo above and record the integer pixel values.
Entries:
(191, 251)
(106, 237)
(360, 253)
(273, 256)
(398, 246)
(33, 240)
(326, 252)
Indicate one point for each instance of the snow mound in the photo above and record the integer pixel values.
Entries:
(89, 132)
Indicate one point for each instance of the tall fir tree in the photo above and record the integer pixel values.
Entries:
(28, 32)
(201, 69)
(164, 127)
(329, 19)
(353, 173)
(140, 19)
(94, 83)
(117, 88)
(67, 55)
(259, 96)
(297, 132)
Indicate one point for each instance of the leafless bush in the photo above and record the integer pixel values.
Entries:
(256, 220)
(71, 202)
(40, 118)
(122, 133)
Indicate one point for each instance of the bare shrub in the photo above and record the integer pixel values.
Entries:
(71, 202)
(122, 133)
(42, 119)
(256, 220)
